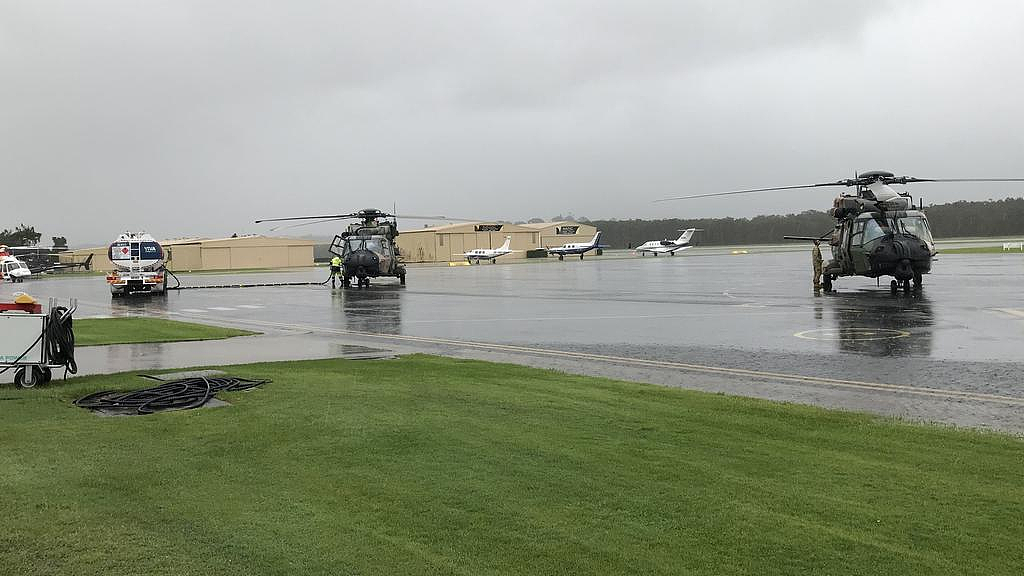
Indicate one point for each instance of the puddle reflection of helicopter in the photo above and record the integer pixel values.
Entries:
(367, 247)
(376, 311)
(878, 326)
(878, 231)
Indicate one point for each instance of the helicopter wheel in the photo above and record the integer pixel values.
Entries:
(918, 281)
(401, 279)
(826, 283)
(346, 281)
(894, 286)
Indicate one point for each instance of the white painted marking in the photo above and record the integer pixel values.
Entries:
(222, 308)
(1011, 312)
(249, 306)
(192, 310)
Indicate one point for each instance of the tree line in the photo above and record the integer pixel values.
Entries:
(23, 235)
(957, 219)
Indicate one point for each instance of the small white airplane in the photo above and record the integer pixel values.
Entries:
(580, 248)
(669, 247)
(491, 254)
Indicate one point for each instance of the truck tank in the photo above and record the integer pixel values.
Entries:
(138, 265)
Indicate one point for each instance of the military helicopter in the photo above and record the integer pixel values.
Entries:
(878, 231)
(367, 247)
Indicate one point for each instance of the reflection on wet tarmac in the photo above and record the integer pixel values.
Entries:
(377, 309)
(878, 323)
(140, 305)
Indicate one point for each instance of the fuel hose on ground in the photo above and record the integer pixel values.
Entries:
(181, 394)
(178, 286)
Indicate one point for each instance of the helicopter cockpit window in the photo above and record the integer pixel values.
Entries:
(872, 231)
(374, 245)
(917, 226)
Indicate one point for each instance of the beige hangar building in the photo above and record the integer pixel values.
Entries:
(448, 243)
(217, 253)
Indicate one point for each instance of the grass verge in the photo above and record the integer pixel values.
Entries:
(100, 331)
(431, 465)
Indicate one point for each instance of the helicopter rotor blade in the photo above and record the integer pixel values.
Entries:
(907, 179)
(334, 216)
(753, 190)
(442, 218)
(300, 224)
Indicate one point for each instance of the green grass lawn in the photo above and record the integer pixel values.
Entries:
(979, 250)
(425, 465)
(99, 331)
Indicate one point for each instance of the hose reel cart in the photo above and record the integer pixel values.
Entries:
(34, 344)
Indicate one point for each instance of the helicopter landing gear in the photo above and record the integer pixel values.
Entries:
(346, 281)
(826, 283)
(905, 285)
(918, 281)
(401, 279)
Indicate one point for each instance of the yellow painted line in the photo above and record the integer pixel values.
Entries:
(855, 384)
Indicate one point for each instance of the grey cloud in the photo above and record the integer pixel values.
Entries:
(216, 113)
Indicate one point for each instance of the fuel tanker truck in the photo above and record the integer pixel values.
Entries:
(138, 265)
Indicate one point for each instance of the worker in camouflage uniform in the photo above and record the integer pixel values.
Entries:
(816, 261)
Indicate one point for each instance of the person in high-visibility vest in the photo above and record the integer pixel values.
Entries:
(335, 269)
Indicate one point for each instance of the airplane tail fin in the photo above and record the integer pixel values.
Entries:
(597, 239)
(508, 242)
(88, 262)
(687, 234)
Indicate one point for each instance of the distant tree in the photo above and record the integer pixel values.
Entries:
(21, 236)
(957, 219)
(535, 221)
(59, 242)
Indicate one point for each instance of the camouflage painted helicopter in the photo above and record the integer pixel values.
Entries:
(367, 247)
(878, 231)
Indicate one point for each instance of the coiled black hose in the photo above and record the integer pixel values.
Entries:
(60, 340)
(182, 394)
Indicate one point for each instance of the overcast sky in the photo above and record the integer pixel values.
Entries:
(197, 117)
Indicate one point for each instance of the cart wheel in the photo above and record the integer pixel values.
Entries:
(47, 375)
(26, 378)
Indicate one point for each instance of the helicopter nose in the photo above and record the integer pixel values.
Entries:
(362, 263)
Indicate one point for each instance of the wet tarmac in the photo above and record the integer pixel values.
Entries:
(745, 323)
